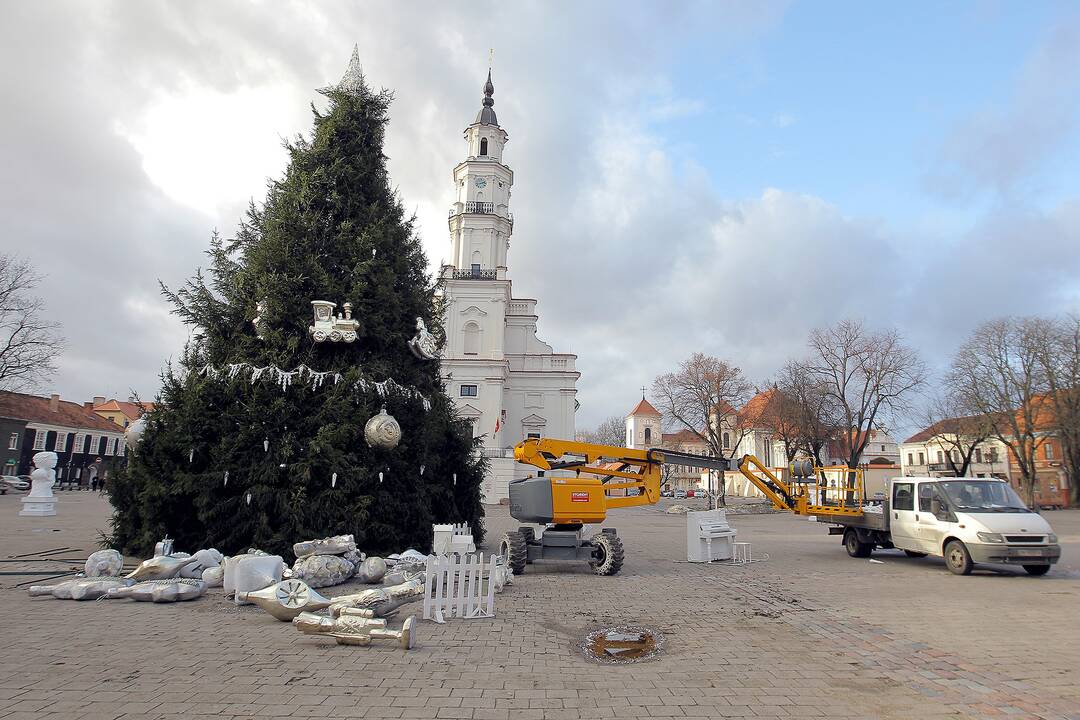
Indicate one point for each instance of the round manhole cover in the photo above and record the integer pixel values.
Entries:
(622, 644)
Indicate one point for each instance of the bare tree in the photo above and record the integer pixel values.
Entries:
(777, 413)
(958, 428)
(702, 396)
(998, 372)
(1060, 359)
(866, 376)
(611, 431)
(29, 343)
(809, 408)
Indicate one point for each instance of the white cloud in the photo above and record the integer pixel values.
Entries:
(999, 148)
(161, 120)
(783, 120)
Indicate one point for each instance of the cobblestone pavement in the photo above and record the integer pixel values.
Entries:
(807, 633)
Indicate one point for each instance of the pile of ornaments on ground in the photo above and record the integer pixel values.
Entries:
(287, 594)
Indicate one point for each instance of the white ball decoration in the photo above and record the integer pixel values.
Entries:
(133, 435)
(382, 431)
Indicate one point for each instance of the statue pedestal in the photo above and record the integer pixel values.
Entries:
(40, 506)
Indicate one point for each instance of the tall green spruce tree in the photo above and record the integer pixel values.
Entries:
(236, 457)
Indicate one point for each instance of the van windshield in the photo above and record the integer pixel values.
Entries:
(983, 496)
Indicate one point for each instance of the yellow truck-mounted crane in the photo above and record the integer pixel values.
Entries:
(605, 478)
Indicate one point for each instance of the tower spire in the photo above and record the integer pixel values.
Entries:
(486, 116)
(489, 90)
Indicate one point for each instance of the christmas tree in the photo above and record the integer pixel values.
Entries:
(258, 437)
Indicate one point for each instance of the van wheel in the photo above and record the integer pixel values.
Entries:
(957, 558)
(1037, 569)
(914, 553)
(856, 548)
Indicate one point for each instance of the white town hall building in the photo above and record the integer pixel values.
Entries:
(500, 375)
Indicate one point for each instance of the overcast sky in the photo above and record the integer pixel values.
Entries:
(716, 177)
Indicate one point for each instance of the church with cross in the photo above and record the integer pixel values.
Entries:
(510, 384)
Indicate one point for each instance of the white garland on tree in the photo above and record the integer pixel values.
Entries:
(304, 374)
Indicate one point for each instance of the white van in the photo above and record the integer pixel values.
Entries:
(964, 520)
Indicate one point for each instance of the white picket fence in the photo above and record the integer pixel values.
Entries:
(458, 586)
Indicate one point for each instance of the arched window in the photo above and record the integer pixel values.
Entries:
(727, 441)
(483, 146)
(648, 435)
(472, 339)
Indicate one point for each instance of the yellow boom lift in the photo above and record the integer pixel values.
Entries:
(608, 478)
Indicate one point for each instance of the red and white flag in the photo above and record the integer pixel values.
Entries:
(498, 424)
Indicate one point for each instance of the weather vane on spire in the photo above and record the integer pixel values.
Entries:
(491, 57)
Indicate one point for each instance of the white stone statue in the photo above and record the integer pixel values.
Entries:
(424, 345)
(41, 502)
(103, 563)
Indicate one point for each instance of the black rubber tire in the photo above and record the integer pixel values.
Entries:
(855, 547)
(514, 549)
(1037, 569)
(530, 537)
(957, 558)
(609, 555)
(914, 553)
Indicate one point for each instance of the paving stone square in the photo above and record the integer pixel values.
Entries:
(807, 632)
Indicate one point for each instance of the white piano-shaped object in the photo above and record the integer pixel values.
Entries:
(708, 536)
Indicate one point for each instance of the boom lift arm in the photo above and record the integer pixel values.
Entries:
(617, 468)
(808, 492)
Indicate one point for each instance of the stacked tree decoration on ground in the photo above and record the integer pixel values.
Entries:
(284, 418)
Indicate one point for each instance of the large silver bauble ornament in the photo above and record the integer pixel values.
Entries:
(133, 435)
(382, 431)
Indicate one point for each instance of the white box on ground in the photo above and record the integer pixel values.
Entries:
(709, 536)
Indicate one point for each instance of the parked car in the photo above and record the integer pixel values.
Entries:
(10, 482)
(680, 495)
(667, 493)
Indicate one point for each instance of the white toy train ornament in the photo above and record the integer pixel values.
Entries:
(335, 328)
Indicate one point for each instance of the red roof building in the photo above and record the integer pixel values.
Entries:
(87, 445)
